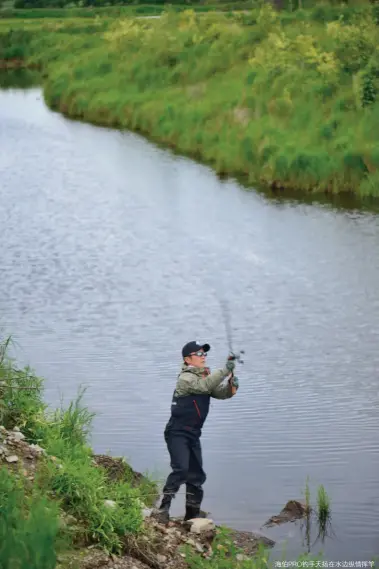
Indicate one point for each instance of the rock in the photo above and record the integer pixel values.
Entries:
(110, 503)
(250, 542)
(241, 557)
(37, 448)
(12, 458)
(16, 429)
(161, 558)
(17, 436)
(201, 525)
(292, 511)
(146, 512)
(70, 520)
(199, 547)
(3, 450)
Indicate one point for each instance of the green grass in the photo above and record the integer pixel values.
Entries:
(29, 527)
(117, 11)
(70, 479)
(323, 503)
(287, 100)
(307, 494)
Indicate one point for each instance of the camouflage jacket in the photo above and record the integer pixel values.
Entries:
(194, 380)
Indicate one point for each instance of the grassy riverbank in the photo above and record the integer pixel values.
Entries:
(285, 99)
(67, 480)
(116, 11)
(64, 507)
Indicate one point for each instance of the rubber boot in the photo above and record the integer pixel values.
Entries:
(162, 514)
(193, 512)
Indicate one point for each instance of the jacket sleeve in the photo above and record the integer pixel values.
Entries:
(189, 383)
(223, 391)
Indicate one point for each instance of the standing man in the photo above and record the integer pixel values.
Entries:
(189, 409)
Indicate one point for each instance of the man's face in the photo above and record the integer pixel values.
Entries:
(196, 359)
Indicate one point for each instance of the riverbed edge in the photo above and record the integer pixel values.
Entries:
(271, 189)
(45, 457)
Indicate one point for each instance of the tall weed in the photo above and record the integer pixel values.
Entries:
(21, 393)
(29, 527)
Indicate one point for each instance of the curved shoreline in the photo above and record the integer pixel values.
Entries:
(238, 117)
(221, 132)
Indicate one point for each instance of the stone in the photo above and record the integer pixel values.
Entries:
(199, 547)
(146, 512)
(161, 558)
(38, 449)
(17, 436)
(110, 503)
(12, 458)
(201, 525)
(293, 510)
(241, 557)
(70, 520)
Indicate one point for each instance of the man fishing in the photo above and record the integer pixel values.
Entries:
(189, 409)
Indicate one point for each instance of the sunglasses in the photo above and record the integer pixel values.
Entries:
(199, 354)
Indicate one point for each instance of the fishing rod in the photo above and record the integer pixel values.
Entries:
(233, 355)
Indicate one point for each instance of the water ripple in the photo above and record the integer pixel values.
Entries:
(115, 253)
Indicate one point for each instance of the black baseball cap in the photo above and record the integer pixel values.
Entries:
(192, 347)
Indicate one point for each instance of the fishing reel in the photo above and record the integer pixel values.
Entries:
(236, 356)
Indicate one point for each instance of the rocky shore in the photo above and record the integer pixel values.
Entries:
(158, 546)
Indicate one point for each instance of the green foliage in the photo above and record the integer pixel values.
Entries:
(323, 503)
(281, 97)
(91, 8)
(20, 396)
(29, 527)
(107, 510)
(72, 426)
(83, 489)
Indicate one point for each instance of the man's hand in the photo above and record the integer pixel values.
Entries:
(230, 365)
(234, 381)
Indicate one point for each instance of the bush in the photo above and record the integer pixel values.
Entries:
(107, 510)
(29, 527)
(300, 91)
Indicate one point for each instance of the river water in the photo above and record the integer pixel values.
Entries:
(115, 253)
